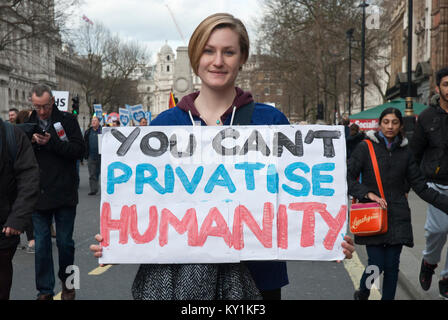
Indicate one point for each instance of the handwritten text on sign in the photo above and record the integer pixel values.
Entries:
(223, 194)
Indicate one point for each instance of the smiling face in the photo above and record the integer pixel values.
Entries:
(390, 126)
(221, 60)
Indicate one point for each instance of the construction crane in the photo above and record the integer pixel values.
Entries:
(175, 22)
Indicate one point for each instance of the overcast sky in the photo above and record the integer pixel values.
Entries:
(150, 22)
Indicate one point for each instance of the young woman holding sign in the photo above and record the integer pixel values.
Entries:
(217, 49)
(398, 170)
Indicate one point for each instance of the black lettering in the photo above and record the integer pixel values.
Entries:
(281, 140)
(255, 142)
(327, 136)
(190, 148)
(150, 151)
(220, 137)
(126, 142)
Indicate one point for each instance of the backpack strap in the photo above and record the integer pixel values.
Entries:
(243, 115)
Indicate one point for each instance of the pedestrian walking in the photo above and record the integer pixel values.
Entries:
(92, 155)
(19, 191)
(217, 50)
(430, 147)
(398, 170)
(58, 144)
(22, 117)
(355, 137)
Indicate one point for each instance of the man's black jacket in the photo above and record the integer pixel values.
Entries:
(19, 186)
(57, 162)
(430, 142)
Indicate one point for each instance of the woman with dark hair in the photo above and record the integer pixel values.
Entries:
(398, 170)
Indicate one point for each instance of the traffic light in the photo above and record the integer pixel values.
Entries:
(320, 111)
(75, 106)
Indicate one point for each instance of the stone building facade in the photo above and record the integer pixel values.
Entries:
(33, 62)
(429, 50)
(171, 73)
(439, 34)
(69, 72)
(29, 61)
(267, 86)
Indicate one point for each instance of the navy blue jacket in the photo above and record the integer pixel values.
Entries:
(268, 275)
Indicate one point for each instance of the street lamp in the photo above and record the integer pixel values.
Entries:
(409, 119)
(363, 5)
(349, 34)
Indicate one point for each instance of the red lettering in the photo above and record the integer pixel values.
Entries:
(335, 225)
(243, 214)
(107, 224)
(220, 230)
(308, 221)
(216, 225)
(189, 222)
(308, 224)
(150, 233)
(282, 227)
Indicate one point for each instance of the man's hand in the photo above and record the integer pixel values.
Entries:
(8, 231)
(41, 139)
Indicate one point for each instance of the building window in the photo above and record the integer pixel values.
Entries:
(167, 68)
(279, 92)
(167, 58)
(267, 91)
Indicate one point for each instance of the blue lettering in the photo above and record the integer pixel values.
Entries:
(112, 180)
(317, 179)
(214, 180)
(290, 175)
(272, 179)
(249, 172)
(141, 179)
(190, 186)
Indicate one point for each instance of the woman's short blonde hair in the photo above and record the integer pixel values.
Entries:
(203, 31)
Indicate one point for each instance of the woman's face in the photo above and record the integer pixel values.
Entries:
(390, 126)
(221, 60)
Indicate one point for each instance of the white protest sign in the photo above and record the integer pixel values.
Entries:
(61, 99)
(184, 194)
(137, 113)
(98, 111)
(124, 117)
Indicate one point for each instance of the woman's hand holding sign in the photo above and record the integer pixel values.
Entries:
(97, 249)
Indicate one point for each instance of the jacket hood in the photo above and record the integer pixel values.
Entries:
(242, 98)
(435, 103)
(435, 100)
(371, 134)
